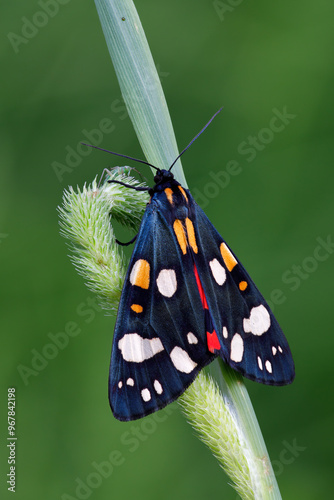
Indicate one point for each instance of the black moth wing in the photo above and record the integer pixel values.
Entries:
(250, 337)
(157, 352)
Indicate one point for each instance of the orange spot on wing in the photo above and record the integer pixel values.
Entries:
(184, 193)
(180, 235)
(229, 259)
(191, 235)
(137, 308)
(212, 341)
(140, 274)
(243, 285)
(169, 194)
(200, 289)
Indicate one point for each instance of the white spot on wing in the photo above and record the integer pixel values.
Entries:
(225, 332)
(274, 350)
(158, 386)
(120, 384)
(130, 381)
(146, 395)
(181, 360)
(259, 362)
(191, 338)
(280, 349)
(134, 272)
(218, 271)
(237, 348)
(136, 349)
(258, 321)
(166, 282)
(268, 366)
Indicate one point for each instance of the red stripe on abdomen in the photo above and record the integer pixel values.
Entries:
(200, 289)
(212, 341)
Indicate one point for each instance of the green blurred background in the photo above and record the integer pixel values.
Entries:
(252, 58)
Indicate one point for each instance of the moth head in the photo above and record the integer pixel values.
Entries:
(162, 176)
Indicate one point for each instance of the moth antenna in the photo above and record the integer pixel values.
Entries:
(123, 156)
(194, 139)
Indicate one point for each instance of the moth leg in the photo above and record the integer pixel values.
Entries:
(128, 243)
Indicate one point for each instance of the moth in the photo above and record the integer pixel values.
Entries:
(186, 299)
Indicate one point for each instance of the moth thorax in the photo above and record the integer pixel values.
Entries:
(181, 212)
